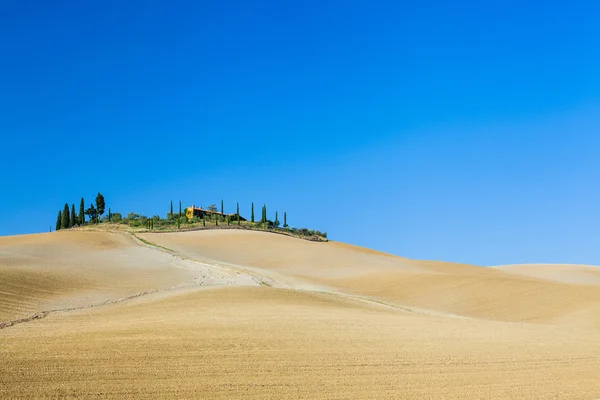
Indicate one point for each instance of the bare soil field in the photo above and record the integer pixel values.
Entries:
(564, 273)
(242, 315)
(70, 269)
(466, 290)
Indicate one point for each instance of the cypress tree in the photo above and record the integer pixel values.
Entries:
(100, 205)
(171, 209)
(179, 218)
(109, 214)
(66, 220)
(58, 221)
(252, 215)
(73, 215)
(81, 213)
(264, 214)
(276, 219)
(285, 219)
(237, 213)
(222, 209)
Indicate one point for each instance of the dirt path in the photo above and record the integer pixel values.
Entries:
(213, 274)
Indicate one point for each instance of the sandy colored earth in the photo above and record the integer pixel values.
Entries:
(564, 273)
(240, 314)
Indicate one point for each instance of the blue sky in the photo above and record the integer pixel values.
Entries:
(462, 132)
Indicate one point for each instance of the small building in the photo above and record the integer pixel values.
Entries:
(193, 211)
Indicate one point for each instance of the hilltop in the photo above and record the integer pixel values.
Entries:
(189, 219)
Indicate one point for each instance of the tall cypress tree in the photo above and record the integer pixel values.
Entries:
(81, 213)
(109, 214)
(66, 220)
(237, 213)
(171, 209)
(276, 219)
(179, 218)
(59, 220)
(100, 205)
(252, 215)
(285, 219)
(73, 215)
(264, 214)
(222, 209)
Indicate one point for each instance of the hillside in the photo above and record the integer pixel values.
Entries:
(563, 273)
(244, 314)
(447, 288)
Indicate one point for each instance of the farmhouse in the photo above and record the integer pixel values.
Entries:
(193, 211)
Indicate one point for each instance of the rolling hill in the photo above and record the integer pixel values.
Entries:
(246, 314)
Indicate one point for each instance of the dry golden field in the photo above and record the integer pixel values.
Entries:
(251, 315)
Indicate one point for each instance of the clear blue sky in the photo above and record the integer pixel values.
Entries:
(462, 132)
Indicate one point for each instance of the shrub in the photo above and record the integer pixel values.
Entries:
(116, 217)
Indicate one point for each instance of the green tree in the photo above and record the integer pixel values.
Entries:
(212, 207)
(276, 219)
(264, 214)
(109, 214)
(179, 218)
(237, 213)
(66, 220)
(59, 220)
(222, 208)
(91, 212)
(116, 217)
(81, 213)
(73, 215)
(252, 215)
(171, 208)
(100, 205)
(285, 225)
